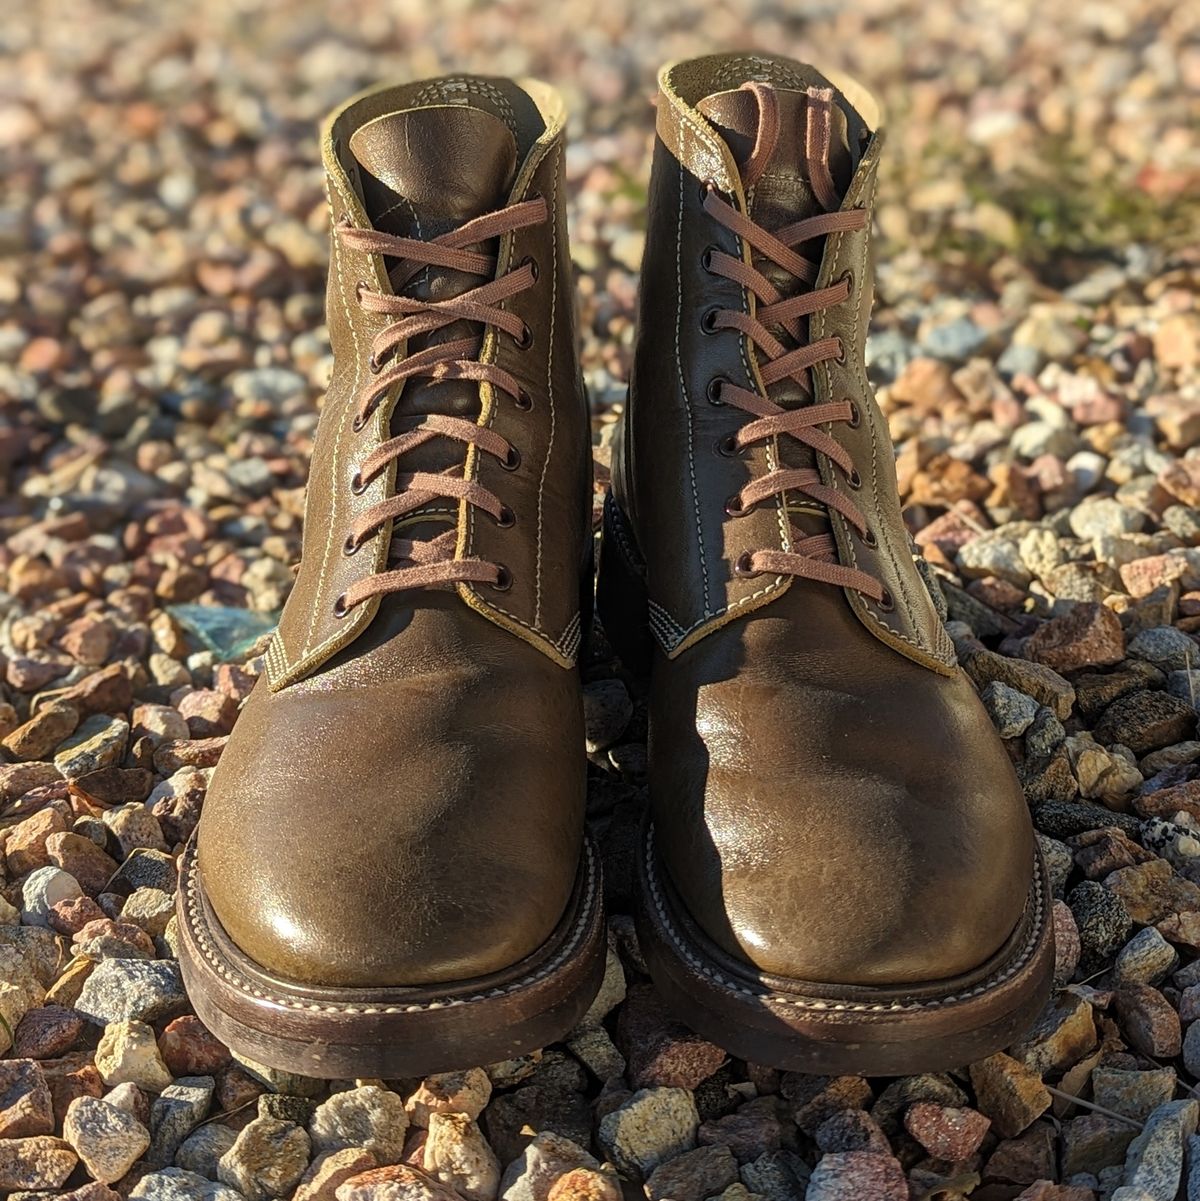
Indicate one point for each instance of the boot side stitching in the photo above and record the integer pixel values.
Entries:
(543, 635)
(537, 575)
(230, 974)
(766, 994)
(331, 533)
(919, 645)
(683, 389)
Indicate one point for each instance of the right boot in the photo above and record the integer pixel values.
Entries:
(390, 876)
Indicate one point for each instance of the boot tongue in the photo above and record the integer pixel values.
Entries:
(423, 172)
(426, 170)
(783, 192)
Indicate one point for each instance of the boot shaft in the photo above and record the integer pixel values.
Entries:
(678, 471)
(417, 161)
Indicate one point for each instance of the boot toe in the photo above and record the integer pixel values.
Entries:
(849, 839)
(400, 847)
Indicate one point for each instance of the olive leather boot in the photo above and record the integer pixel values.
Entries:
(840, 873)
(390, 875)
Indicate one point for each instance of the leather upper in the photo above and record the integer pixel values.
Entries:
(412, 814)
(830, 800)
(401, 801)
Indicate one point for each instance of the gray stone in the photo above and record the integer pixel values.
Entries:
(175, 1113)
(1186, 686)
(132, 990)
(1059, 862)
(1168, 648)
(201, 1151)
(1191, 1049)
(1154, 1161)
(369, 1117)
(107, 1140)
(98, 742)
(1100, 516)
(1133, 1094)
(1146, 958)
(266, 1160)
(853, 1175)
(1103, 921)
(544, 1160)
(1012, 712)
(693, 1176)
(653, 1126)
(174, 1184)
(42, 890)
(777, 1176)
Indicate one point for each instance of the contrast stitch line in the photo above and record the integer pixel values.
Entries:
(537, 575)
(330, 535)
(687, 403)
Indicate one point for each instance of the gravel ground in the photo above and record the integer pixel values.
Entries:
(1037, 347)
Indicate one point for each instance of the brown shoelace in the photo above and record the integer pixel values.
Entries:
(812, 556)
(433, 561)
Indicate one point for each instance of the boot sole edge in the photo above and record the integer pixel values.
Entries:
(391, 1032)
(864, 1032)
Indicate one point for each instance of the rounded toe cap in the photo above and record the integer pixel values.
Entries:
(848, 840)
(406, 839)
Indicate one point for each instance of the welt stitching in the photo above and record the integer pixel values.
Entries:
(1003, 973)
(200, 934)
(537, 575)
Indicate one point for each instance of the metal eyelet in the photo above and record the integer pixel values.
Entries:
(707, 186)
(504, 579)
(848, 276)
(359, 288)
(840, 357)
(887, 602)
(708, 320)
(707, 257)
(532, 263)
(374, 365)
(512, 460)
(340, 608)
(869, 539)
(726, 446)
(855, 416)
(360, 420)
(742, 566)
(507, 518)
(854, 479)
(350, 546)
(357, 487)
(735, 508)
(523, 400)
(525, 341)
(713, 391)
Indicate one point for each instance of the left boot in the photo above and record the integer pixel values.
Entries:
(840, 874)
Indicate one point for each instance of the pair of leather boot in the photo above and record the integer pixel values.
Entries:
(391, 875)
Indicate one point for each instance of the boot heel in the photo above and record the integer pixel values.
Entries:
(622, 598)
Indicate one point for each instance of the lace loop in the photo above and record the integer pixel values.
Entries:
(777, 330)
(432, 562)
